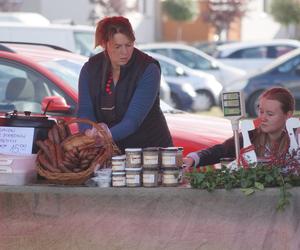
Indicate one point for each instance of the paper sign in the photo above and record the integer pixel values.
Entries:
(16, 140)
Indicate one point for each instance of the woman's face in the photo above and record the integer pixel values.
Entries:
(272, 117)
(119, 49)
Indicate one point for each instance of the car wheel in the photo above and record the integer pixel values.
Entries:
(203, 101)
(253, 104)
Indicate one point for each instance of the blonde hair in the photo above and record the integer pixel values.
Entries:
(109, 26)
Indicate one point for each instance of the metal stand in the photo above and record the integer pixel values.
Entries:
(235, 129)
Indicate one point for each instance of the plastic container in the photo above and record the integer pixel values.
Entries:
(150, 177)
(133, 157)
(103, 177)
(118, 163)
(133, 177)
(17, 169)
(168, 157)
(150, 157)
(119, 179)
(170, 177)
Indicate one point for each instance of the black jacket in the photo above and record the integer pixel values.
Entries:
(153, 131)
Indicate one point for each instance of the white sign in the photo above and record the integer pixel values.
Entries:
(16, 140)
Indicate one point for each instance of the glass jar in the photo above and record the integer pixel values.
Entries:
(170, 177)
(179, 157)
(150, 157)
(168, 157)
(225, 161)
(150, 177)
(119, 179)
(133, 177)
(133, 157)
(118, 163)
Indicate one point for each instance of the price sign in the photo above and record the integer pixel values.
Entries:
(233, 105)
(16, 140)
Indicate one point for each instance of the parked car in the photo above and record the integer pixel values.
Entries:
(182, 95)
(29, 74)
(207, 88)
(284, 71)
(252, 56)
(209, 47)
(195, 59)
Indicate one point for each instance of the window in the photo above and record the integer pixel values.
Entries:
(190, 59)
(23, 89)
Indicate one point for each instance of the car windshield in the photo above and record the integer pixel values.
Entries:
(67, 70)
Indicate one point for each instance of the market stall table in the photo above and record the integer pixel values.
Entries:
(52, 217)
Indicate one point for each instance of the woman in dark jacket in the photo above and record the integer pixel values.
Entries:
(270, 139)
(120, 87)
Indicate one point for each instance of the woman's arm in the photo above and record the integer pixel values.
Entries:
(140, 104)
(211, 155)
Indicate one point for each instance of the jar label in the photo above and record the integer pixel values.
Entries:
(172, 180)
(135, 159)
(133, 179)
(168, 160)
(119, 182)
(148, 178)
(151, 160)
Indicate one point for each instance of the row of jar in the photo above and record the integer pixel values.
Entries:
(137, 177)
(170, 157)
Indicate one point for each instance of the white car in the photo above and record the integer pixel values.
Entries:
(252, 56)
(208, 89)
(195, 59)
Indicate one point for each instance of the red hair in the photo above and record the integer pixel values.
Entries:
(109, 26)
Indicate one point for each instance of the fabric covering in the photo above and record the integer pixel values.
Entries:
(36, 217)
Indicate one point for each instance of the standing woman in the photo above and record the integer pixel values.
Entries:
(120, 87)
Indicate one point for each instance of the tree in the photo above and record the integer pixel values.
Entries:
(286, 12)
(10, 5)
(180, 11)
(221, 13)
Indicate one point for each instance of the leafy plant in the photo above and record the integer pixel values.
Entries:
(249, 180)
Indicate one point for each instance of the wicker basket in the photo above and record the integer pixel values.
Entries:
(78, 178)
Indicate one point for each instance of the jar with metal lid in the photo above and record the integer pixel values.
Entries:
(150, 157)
(168, 157)
(150, 177)
(118, 163)
(133, 177)
(119, 179)
(170, 177)
(179, 157)
(225, 161)
(133, 157)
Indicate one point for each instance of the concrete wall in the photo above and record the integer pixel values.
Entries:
(49, 217)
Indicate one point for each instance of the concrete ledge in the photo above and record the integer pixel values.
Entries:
(43, 217)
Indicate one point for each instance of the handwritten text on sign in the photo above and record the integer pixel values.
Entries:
(16, 140)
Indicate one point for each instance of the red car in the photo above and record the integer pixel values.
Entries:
(30, 75)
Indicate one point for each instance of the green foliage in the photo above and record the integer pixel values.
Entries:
(181, 10)
(249, 180)
(285, 11)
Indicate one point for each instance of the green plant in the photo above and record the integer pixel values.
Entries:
(250, 180)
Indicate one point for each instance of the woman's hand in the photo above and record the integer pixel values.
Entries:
(188, 162)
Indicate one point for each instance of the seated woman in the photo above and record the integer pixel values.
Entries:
(270, 139)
